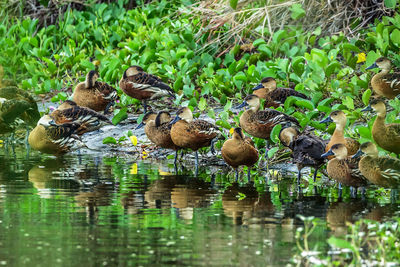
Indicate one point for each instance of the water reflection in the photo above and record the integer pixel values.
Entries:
(115, 211)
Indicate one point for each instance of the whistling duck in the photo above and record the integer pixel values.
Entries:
(384, 83)
(343, 168)
(386, 136)
(340, 119)
(93, 94)
(143, 86)
(306, 149)
(193, 134)
(238, 151)
(259, 123)
(16, 103)
(267, 90)
(158, 130)
(382, 171)
(54, 139)
(89, 120)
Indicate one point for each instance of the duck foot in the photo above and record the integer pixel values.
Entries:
(249, 174)
(353, 192)
(340, 191)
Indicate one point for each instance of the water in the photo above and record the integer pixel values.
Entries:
(118, 211)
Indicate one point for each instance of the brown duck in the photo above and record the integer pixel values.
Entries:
(387, 136)
(382, 171)
(239, 151)
(384, 83)
(143, 86)
(93, 94)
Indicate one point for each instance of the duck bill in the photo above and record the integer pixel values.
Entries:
(357, 155)
(175, 120)
(242, 105)
(368, 108)
(328, 119)
(373, 66)
(259, 86)
(140, 125)
(327, 154)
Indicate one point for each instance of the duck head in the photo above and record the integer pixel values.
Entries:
(376, 105)
(183, 114)
(368, 148)
(91, 78)
(252, 101)
(132, 70)
(268, 83)
(149, 116)
(338, 150)
(238, 134)
(338, 117)
(287, 135)
(162, 117)
(382, 63)
(46, 121)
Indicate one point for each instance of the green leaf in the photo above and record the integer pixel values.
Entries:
(120, 116)
(390, 3)
(272, 152)
(395, 37)
(365, 97)
(348, 102)
(274, 135)
(233, 3)
(109, 140)
(202, 104)
(340, 243)
(258, 42)
(305, 104)
(297, 11)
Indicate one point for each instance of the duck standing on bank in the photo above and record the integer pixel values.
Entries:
(387, 136)
(384, 83)
(193, 134)
(306, 149)
(259, 123)
(158, 129)
(143, 86)
(238, 151)
(382, 171)
(93, 94)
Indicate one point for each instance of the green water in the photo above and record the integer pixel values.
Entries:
(118, 211)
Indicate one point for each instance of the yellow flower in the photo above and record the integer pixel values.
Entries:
(133, 169)
(361, 57)
(133, 139)
(144, 154)
(231, 130)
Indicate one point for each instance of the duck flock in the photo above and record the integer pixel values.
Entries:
(349, 163)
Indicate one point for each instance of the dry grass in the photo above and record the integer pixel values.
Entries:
(255, 18)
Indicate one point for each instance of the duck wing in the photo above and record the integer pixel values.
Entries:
(393, 129)
(149, 82)
(61, 134)
(393, 80)
(389, 167)
(280, 94)
(106, 90)
(204, 128)
(307, 149)
(273, 116)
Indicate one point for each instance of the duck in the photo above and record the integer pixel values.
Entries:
(259, 123)
(239, 151)
(340, 119)
(158, 130)
(306, 149)
(343, 168)
(93, 94)
(274, 96)
(54, 139)
(387, 136)
(88, 119)
(193, 134)
(384, 83)
(143, 86)
(15, 104)
(382, 171)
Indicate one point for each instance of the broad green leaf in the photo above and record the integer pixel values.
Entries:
(202, 104)
(365, 97)
(233, 3)
(297, 11)
(390, 3)
(340, 243)
(274, 135)
(305, 104)
(395, 37)
(272, 152)
(109, 140)
(120, 116)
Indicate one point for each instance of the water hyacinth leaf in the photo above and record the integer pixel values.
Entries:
(211, 114)
(348, 102)
(109, 140)
(390, 3)
(223, 124)
(305, 104)
(259, 42)
(120, 116)
(366, 96)
(297, 11)
(233, 3)
(275, 133)
(363, 132)
(202, 104)
(272, 152)
(395, 37)
(340, 243)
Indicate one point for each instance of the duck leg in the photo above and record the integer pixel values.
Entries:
(237, 175)
(145, 105)
(176, 157)
(213, 141)
(109, 105)
(197, 162)
(249, 174)
(340, 190)
(315, 174)
(298, 177)
(266, 150)
(353, 192)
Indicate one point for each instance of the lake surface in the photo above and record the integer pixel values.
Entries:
(89, 210)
